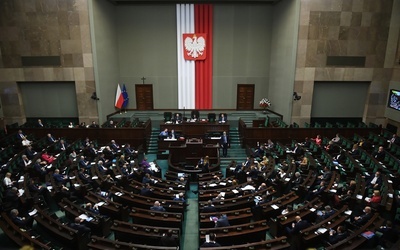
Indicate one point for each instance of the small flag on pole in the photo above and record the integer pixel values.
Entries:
(119, 98)
(125, 96)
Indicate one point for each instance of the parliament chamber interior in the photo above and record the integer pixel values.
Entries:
(220, 124)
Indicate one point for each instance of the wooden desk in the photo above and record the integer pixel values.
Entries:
(156, 218)
(239, 234)
(141, 234)
(99, 243)
(277, 243)
(196, 129)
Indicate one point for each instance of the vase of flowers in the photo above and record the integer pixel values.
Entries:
(265, 103)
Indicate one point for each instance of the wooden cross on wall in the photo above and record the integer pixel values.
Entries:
(143, 79)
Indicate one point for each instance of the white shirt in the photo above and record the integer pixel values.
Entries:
(7, 182)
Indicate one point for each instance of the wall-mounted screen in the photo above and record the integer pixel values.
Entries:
(394, 99)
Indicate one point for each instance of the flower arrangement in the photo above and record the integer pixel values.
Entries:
(265, 103)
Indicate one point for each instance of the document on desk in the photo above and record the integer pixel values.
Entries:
(33, 212)
(248, 187)
(99, 204)
(348, 212)
(274, 206)
(321, 230)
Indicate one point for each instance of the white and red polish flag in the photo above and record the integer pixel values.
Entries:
(194, 41)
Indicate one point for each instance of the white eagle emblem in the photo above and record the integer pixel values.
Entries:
(195, 47)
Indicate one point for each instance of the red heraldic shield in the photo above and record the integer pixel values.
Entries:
(194, 46)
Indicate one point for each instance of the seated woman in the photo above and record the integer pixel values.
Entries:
(303, 163)
(375, 200)
(262, 165)
(47, 157)
(318, 140)
(204, 164)
(355, 151)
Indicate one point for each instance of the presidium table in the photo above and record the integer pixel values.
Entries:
(196, 129)
(196, 140)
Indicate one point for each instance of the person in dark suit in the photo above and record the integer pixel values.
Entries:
(59, 178)
(317, 191)
(177, 118)
(21, 136)
(30, 153)
(222, 118)
(363, 218)
(325, 214)
(82, 229)
(326, 175)
(209, 208)
(297, 226)
(94, 209)
(224, 142)
(94, 125)
(375, 181)
(168, 240)
(295, 182)
(338, 235)
(380, 154)
(51, 139)
(157, 207)
(84, 177)
(173, 135)
(146, 190)
(83, 163)
(39, 168)
(110, 124)
(297, 151)
(21, 222)
(130, 152)
(61, 146)
(39, 124)
(222, 221)
(259, 152)
(212, 242)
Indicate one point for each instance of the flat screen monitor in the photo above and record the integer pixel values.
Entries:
(394, 99)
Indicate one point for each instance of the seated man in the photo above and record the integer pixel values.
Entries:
(338, 235)
(211, 242)
(59, 178)
(363, 218)
(83, 163)
(163, 134)
(222, 221)
(297, 226)
(177, 118)
(94, 125)
(157, 207)
(209, 208)
(222, 118)
(51, 139)
(61, 146)
(374, 182)
(181, 198)
(77, 225)
(21, 222)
